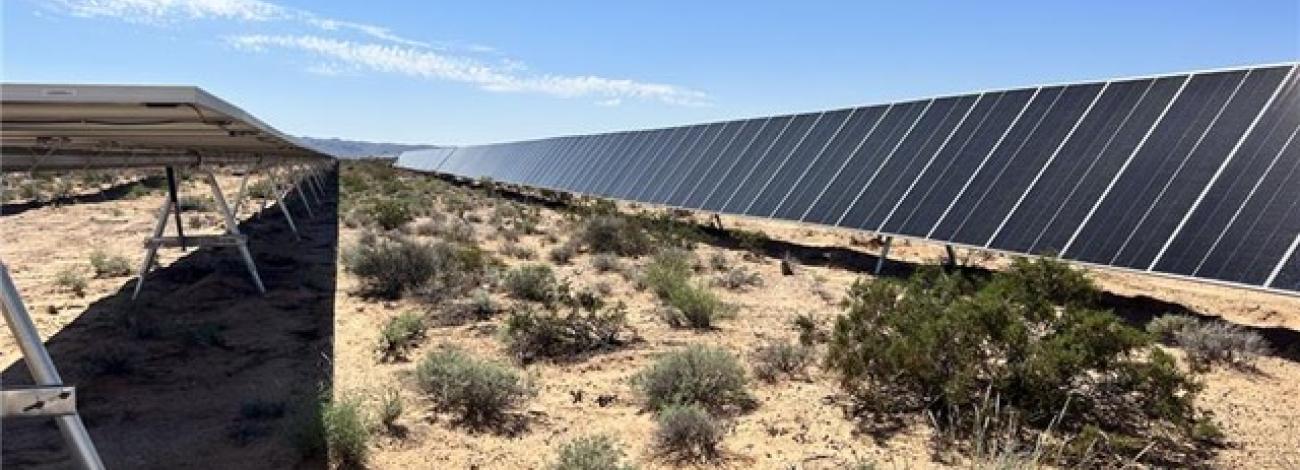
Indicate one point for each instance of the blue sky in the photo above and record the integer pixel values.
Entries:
(482, 71)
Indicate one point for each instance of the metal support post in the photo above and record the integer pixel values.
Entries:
(232, 228)
(884, 253)
(952, 256)
(43, 370)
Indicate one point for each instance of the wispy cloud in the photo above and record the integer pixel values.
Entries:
(423, 63)
(385, 52)
(163, 12)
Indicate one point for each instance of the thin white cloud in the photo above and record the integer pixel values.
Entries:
(163, 12)
(429, 64)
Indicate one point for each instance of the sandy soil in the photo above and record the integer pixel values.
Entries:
(164, 381)
(180, 406)
(799, 424)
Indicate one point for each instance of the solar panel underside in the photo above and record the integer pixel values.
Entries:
(1194, 175)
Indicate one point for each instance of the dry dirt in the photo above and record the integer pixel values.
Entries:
(180, 405)
(163, 381)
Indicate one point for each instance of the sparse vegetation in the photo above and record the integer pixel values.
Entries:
(688, 433)
(390, 213)
(535, 282)
(399, 334)
(606, 262)
(109, 266)
(480, 393)
(563, 253)
(1211, 342)
(739, 278)
(71, 280)
(530, 334)
(697, 375)
(591, 453)
(196, 203)
(392, 266)
(616, 235)
(390, 409)
(775, 359)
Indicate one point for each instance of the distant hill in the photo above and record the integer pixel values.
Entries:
(358, 148)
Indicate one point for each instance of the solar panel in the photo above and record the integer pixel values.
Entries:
(1194, 174)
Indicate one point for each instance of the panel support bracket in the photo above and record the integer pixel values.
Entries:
(884, 254)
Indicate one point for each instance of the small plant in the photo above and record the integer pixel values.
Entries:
(530, 335)
(391, 267)
(591, 453)
(1209, 343)
(109, 266)
(777, 358)
(535, 282)
(606, 263)
(687, 433)
(562, 254)
(669, 269)
(399, 334)
(738, 278)
(616, 235)
(718, 261)
(346, 433)
(809, 329)
(71, 280)
(482, 305)
(518, 251)
(481, 393)
(390, 409)
(697, 375)
(697, 306)
(390, 213)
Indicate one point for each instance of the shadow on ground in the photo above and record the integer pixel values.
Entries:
(201, 371)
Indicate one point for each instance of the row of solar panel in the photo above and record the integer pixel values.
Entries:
(1195, 175)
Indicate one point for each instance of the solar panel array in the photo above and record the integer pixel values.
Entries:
(1193, 174)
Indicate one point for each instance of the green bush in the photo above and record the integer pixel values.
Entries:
(687, 433)
(390, 409)
(196, 204)
(615, 234)
(109, 266)
(775, 358)
(346, 433)
(669, 269)
(591, 453)
(562, 254)
(696, 306)
(390, 213)
(393, 266)
(697, 375)
(548, 334)
(606, 262)
(535, 282)
(399, 334)
(481, 393)
(1166, 328)
(940, 342)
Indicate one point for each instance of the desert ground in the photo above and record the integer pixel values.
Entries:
(201, 372)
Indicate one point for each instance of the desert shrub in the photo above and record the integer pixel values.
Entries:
(1166, 328)
(261, 189)
(718, 261)
(71, 280)
(518, 251)
(940, 342)
(774, 359)
(606, 262)
(669, 269)
(562, 254)
(346, 433)
(481, 304)
(458, 231)
(614, 234)
(591, 453)
(399, 334)
(480, 392)
(389, 213)
(697, 375)
(531, 335)
(687, 432)
(109, 266)
(1211, 342)
(753, 242)
(390, 409)
(535, 282)
(111, 359)
(696, 305)
(809, 329)
(392, 266)
(738, 278)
